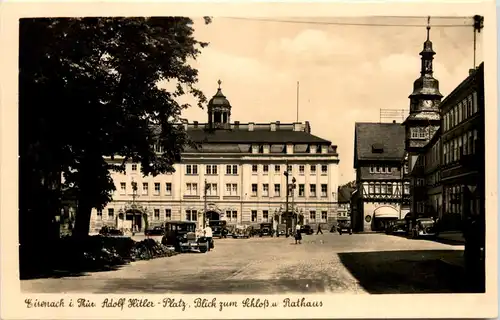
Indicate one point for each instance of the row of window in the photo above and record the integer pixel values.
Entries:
(277, 190)
(312, 169)
(422, 133)
(385, 188)
(433, 178)
(231, 189)
(211, 169)
(381, 169)
(156, 214)
(465, 144)
(460, 112)
(192, 215)
(432, 157)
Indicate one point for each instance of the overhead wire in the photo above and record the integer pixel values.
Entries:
(351, 23)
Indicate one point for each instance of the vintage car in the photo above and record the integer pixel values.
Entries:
(110, 231)
(241, 232)
(266, 230)
(219, 228)
(424, 227)
(399, 226)
(306, 229)
(155, 231)
(344, 226)
(183, 237)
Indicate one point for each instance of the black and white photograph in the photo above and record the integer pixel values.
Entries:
(295, 158)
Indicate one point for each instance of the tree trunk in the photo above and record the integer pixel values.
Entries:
(82, 220)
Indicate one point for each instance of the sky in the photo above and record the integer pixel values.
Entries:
(347, 73)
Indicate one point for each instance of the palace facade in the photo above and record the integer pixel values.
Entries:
(241, 166)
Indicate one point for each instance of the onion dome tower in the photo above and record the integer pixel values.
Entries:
(219, 110)
(424, 118)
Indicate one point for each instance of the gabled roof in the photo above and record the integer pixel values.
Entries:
(345, 194)
(369, 137)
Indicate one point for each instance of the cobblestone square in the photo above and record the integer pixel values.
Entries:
(328, 263)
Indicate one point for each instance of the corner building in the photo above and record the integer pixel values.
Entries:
(242, 166)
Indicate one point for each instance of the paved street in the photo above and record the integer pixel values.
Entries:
(360, 263)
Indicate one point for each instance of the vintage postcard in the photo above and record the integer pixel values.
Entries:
(248, 160)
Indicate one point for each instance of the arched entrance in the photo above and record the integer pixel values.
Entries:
(382, 216)
(133, 217)
(212, 215)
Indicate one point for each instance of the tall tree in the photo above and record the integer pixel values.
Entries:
(88, 90)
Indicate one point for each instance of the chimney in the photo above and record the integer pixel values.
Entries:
(471, 71)
(250, 126)
(195, 123)
(277, 125)
(393, 121)
(236, 124)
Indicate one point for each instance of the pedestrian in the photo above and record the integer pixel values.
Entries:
(208, 234)
(319, 229)
(298, 235)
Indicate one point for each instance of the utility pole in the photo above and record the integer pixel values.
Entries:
(478, 25)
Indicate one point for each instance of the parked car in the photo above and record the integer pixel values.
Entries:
(219, 228)
(155, 231)
(110, 231)
(424, 227)
(266, 230)
(183, 237)
(241, 232)
(397, 227)
(306, 229)
(344, 226)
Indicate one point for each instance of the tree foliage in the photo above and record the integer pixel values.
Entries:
(88, 90)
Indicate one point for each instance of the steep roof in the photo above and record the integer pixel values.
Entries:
(345, 194)
(257, 136)
(379, 141)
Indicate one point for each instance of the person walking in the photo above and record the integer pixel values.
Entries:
(298, 235)
(319, 229)
(208, 234)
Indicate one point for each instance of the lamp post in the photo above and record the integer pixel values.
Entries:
(205, 203)
(294, 216)
(134, 195)
(287, 188)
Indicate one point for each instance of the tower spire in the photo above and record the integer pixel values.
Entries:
(219, 83)
(428, 27)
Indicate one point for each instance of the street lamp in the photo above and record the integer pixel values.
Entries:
(205, 203)
(294, 216)
(134, 195)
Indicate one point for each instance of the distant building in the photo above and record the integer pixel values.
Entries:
(382, 193)
(344, 202)
(242, 167)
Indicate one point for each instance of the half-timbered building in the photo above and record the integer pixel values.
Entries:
(382, 193)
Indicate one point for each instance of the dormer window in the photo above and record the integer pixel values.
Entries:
(312, 148)
(265, 148)
(377, 148)
(324, 149)
(255, 149)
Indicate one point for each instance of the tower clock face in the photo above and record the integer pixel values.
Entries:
(427, 104)
(428, 65)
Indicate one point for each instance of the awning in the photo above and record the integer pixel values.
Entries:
(386, 212)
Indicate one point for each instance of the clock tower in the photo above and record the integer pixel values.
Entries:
(424, 118)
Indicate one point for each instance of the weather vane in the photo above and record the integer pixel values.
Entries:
(428, 26)
(219, 82)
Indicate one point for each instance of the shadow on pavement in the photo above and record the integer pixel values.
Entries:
(423, 271)
(450, 242)
(55, 274)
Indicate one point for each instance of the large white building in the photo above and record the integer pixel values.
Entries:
(242, 165)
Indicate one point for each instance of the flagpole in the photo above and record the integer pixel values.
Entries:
(297, 101)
